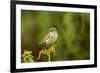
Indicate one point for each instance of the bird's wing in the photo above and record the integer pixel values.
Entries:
(46, 37)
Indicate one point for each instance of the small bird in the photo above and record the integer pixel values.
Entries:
(51, 37)
(46, 42)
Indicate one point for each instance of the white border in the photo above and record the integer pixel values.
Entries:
(20, 65)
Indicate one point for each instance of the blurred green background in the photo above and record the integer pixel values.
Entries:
(73, 32)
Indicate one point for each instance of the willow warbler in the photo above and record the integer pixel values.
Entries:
(51, 37)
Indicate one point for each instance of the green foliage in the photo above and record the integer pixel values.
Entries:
(27, 57)
(48, 51)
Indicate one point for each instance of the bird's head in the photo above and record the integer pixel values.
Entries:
(52, 29)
